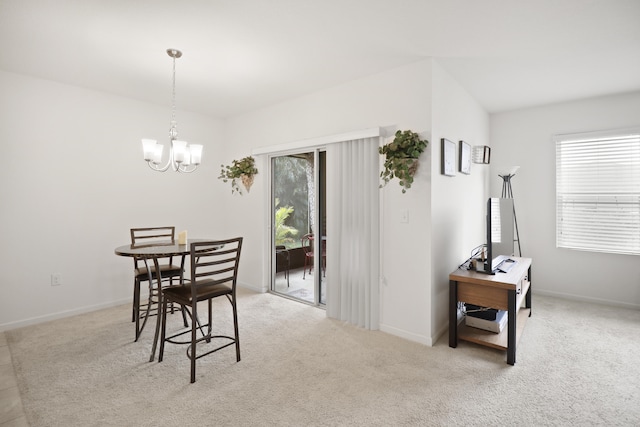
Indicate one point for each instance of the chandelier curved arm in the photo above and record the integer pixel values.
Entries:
(157, 168)
(185, 169)
(175, 167)
(180, 156)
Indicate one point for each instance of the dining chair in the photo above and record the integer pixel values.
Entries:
(308, 248)
(214, 273)
(145, 271)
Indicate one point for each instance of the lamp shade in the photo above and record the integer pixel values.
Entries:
(148, 148)
(196, 153)
(157, 154)
(179, 151)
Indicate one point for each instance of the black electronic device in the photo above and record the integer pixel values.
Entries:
(499, 225)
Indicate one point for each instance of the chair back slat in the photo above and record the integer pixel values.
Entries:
(215, 262)
(152, 236)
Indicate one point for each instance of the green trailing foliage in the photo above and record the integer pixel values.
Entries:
(243, 169)
(401, 159)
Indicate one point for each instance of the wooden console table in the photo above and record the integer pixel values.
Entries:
(502, 291)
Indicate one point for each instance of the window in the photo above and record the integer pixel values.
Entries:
(598, 191)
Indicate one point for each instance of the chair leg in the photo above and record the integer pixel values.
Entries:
(306, 262)
(192, 356)
(210, 326)
(136, 299)
(194, 320)
(182, 307)
(136, 307)
(184, 316)
(235, 326)
(309, 262)
(288, 268)
(172, 305)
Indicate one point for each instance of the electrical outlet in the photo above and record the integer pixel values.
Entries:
(404, 216)
(56, 279)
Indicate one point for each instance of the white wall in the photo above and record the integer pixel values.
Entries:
(457, 203)
(524, 138)
(73, 213)
(72, 184)
(397, 99)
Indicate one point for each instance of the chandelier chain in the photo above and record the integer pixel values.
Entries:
(173, 131)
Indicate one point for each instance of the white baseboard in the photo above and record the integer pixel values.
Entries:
(384, 328)
(579, 298)
(61, 314)
(86, 309)
(406, 335)
(444, 330)
(259, 289)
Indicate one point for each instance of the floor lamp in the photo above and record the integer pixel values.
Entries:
(507, 193)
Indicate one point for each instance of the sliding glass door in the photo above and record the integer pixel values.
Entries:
(299, 222)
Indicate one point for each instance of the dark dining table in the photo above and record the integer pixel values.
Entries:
(154, 252)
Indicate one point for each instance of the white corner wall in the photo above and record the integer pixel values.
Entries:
(397, 99)
(458, 203)
(445, 215)
(73, 183)
(524, 138)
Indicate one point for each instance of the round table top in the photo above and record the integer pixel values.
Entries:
(158, 249)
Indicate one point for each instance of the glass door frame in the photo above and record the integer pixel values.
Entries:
(316, 228)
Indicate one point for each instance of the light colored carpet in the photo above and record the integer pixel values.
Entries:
(577, 364)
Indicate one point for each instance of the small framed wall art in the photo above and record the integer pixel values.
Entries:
(448, 157)
(482, 154)
(465, 158)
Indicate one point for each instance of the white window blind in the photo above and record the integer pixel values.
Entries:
(598, 191)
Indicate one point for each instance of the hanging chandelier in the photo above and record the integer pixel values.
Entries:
(182, 156)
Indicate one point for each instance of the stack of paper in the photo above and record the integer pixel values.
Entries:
(495, 325)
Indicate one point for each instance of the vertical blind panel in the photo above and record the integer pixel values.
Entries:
(598, 193)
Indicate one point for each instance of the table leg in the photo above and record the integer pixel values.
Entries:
(511, 327)
(528, 296)
(453, 313)
(158, 316)
(136, 301)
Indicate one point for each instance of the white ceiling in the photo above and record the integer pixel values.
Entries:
(240, 55)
